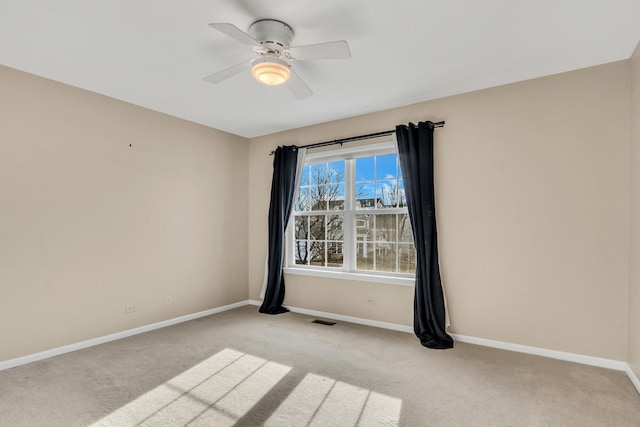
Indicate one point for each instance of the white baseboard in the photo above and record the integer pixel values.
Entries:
(553, 354)
(343, 318)
(112, 337)
(632, 376)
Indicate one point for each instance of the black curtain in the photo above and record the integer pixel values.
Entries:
(282, 191)
(415, 152)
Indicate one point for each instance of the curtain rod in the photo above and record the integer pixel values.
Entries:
(358, 138)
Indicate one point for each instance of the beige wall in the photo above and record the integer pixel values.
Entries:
(533, 209)
(634, 255)
(532, 186)
(90, 224)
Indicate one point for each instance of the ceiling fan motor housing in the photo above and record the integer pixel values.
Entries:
(275, 36)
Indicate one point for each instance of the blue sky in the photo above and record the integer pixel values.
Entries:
(384, 171)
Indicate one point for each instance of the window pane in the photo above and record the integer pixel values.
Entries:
(316, 253)
(326, 196)
(386, 228)
(302, 203)
(387, 193)
(364, 228)
(402, 198)
(364, 256)
(317, 198)
(386, 166)
(334, 227)
(316, 227)
(300, 252)
(336, 171)
(304, 179)
(404, 228)
(406, 258)
(365, 169)
(365, 195)
(385, 256)
(318, 173)
(301, 227)
(334, 254)
(335, 196)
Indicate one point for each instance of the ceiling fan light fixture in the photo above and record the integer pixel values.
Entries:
(270, 71)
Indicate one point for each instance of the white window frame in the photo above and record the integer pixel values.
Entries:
(348, 270)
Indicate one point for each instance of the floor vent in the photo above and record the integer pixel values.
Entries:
(323, 322)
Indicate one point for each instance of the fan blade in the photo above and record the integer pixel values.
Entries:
(297, 87)
(228, 72)
(235, 32)
(330, 50)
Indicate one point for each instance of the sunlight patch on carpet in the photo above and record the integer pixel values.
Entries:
(216, 392)
(322, 402)
(223, 388)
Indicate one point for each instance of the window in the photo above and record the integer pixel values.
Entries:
(351, 214)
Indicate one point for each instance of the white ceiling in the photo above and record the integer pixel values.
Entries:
(154, 53)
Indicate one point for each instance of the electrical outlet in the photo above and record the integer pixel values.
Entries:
(169, 300)
(130, 309)
(371, 301)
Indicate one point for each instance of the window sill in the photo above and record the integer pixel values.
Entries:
(343, 275)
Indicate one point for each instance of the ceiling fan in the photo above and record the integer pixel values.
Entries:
(271, 40)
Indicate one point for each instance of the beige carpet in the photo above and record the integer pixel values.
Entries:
(241, 368)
